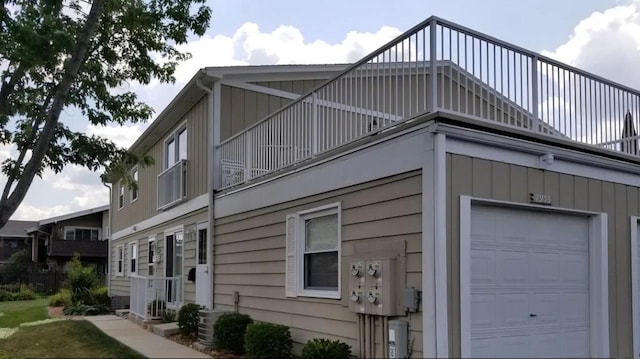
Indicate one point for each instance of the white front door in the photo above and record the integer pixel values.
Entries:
(203, 273)
(529, 283)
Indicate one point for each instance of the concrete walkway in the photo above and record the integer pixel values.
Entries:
(140, 340)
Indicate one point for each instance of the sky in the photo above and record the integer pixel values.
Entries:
(600, 36)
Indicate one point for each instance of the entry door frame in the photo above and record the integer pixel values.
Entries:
(598, 272)
(199, 227)
(635, 291)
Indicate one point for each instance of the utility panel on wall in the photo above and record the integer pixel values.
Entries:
(372, 287)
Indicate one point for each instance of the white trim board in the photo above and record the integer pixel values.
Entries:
(598, 273)
(195, 204)
(635, 290)
(397, 155)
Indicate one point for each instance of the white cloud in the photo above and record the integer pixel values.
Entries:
(123, 136)
(607, 44)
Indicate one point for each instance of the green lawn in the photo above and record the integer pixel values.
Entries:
(64, 339)
(14, 313)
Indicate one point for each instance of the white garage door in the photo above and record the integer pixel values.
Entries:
(529, 284)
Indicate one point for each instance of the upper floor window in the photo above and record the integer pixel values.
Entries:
(175, 147)
(134, 190)
(121, 196)
(82, 234)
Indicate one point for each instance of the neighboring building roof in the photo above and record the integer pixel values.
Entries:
(17, 228)
(65, 217)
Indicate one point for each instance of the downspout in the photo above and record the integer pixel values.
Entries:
(109, 242)
(210, 186)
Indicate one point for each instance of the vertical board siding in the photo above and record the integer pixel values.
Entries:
(250, 252)
(198, 158)
(514, 183)
(120, 285)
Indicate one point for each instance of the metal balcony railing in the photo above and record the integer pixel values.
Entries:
(172, 185)
(150, 297)
(436, 66)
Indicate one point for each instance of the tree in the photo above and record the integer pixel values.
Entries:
(80, 54)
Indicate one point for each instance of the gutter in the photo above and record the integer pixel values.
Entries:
(210, 185)
(109, 242)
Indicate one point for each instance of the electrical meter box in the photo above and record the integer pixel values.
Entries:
(372, 287)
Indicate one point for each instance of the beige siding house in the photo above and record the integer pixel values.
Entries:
(449, 195)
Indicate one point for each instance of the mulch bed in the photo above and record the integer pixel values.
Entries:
(188, 341)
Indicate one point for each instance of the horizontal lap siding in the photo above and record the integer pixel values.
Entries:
(120, 285)
(500, 181)
(250, 251)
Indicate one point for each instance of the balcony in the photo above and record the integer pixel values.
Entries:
(172, 185)
(444, 67)
(63, 248)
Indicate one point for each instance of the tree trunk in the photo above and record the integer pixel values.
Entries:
(72, 66)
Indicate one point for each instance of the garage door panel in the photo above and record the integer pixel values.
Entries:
(529, 284)
(513, 267)
(485, 317)
(483, 267)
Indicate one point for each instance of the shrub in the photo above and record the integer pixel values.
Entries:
(156, 308)
(229, 330)
(85, 309)
(266, 340)
(81, 280)
(169, 316)
(23, 293)
(100, 296)
(325, 348)
(61, 299)
(188, 319)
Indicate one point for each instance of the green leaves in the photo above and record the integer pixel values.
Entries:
(41, 44)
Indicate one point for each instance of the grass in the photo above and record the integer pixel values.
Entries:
(14, 313)
(64, 339)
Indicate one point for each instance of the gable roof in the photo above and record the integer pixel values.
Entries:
(17, 228)
(65, 217)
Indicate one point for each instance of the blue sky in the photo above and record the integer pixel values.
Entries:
(602, 36)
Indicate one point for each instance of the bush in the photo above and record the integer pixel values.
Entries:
(23, 293)
(84, 309)
(156, 308)
(169, 316)
(61, 299)
(266, 340)
(188, 319)
(325, 348)
(100, 296)
(229, 330)
(81, 280)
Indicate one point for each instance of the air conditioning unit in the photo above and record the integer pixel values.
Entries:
(156, 258)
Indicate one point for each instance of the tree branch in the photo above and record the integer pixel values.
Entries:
(71, 68)
(8, 87)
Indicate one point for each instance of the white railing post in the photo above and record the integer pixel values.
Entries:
(247, 155)
(314, 124)
(534, 88)
(432, 59)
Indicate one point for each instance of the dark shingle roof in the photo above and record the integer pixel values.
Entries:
(17, 228)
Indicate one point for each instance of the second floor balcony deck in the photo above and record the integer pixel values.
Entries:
(437, 66)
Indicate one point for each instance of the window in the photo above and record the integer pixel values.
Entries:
(313, 252)
(174, 240)
(135, 188)
(152, 254)
(176, 147)
(121, 197)
(202, 246)
(119, 260)
(133, 254)
(82, 234)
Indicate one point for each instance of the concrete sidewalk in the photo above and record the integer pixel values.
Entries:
(140, 340)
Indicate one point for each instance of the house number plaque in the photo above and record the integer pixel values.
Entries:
(540, 198)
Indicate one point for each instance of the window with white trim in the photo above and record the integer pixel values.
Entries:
(134, 189)
(82, 234)
(133, 258)
(313, 252)
(121, 197)
(151, 263)
(175, 147)
(119, 260)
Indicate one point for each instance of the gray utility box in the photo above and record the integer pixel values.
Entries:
(398, 338)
